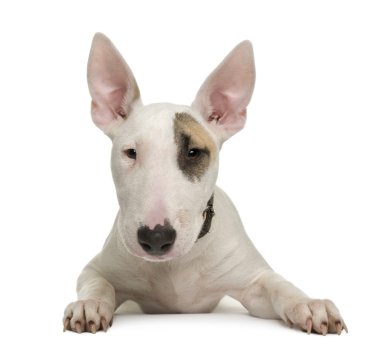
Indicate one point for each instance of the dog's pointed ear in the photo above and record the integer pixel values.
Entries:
(112, 86)
(223, 98)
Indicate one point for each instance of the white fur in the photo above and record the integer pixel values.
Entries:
(195, 274)
(154, 182)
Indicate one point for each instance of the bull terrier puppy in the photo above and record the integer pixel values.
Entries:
(177, 244)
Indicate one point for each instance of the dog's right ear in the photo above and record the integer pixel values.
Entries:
(112, 86)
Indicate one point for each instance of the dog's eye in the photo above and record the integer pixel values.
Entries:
(130, 153)
(193, 153)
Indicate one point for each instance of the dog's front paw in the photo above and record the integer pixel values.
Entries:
(87, 315)
(320, 316)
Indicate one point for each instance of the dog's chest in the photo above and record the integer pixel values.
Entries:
(170, 290)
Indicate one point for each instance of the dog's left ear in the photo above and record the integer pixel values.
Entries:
(223, 98)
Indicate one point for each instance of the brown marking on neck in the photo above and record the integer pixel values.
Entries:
(189, 134)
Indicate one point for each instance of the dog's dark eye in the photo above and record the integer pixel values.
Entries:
(130, 153)
(193, 153)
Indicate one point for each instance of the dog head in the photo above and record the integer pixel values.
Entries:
(164, 156)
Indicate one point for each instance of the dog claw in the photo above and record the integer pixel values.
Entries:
(324, 329)
(289, 323)
(309, 325)
(78, 327)
(92, 327)
(338, 327)
(66, 324)
(104, 324)
(345, 328)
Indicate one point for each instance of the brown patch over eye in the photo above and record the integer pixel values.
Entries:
(195, 147)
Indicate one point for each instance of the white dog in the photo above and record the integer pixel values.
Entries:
(177, 244)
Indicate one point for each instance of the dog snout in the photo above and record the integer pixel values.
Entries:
(157, 241)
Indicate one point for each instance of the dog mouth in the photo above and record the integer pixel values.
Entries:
(170, 255)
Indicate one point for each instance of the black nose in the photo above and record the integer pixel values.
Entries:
(157, 241)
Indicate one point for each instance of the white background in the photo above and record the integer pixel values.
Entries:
(304, 173)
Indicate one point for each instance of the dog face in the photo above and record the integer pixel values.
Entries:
(164, 165)
(165, 156)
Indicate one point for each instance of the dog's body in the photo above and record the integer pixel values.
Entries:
(166, 251)
(216, 266)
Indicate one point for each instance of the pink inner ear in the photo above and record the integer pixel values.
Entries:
(227, 111)
(219, 105)
(111, 83)
(224, 96)
(105, 109)
(116, 100)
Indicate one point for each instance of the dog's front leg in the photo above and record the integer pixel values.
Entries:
(95, 306)
(271, 296)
